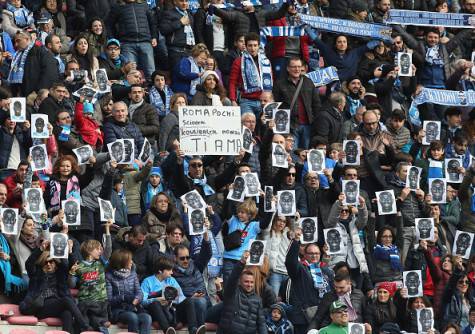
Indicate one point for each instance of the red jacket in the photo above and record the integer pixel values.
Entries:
(15, 200)
(278, 43)
(235, 82)
(87, 127)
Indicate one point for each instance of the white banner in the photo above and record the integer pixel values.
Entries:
(206, 130)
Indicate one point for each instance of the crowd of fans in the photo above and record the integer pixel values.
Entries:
(143, 265)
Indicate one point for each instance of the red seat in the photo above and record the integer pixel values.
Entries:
(126, 333)
(21, 331)
(91, 332)
(50, 321)
(210, 327)
(56, 332)
(6, 309)
(26, 320)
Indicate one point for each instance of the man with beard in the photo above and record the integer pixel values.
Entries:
(55, 102)
(355, 96)
(143, 114)
(144, 256)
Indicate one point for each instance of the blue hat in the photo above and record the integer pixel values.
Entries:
(88, 108)
(156, 171)
(113, 41)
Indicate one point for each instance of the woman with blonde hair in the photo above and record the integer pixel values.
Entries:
(169, 126)
(264, 290)
(187, 73)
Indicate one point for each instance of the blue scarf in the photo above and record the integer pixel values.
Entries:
(215, 264)
(194, 69)
(203, 183)
(61, 66)
(21, 16)
(435, 172)
(317, 275)
(353, 105)
(151, 191)
(163, 107)
(17, 69)
(256, 79)
(6, 268)
(390, 253)
(188, 30)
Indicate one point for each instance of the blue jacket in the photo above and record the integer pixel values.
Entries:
(191, 278)
(151, 284)
(196, 240)
(121, 291)
(114, 130)
(182, 77)
(251, 233)
(6, 142)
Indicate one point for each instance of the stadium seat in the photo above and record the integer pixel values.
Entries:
(56, 332)
(22, 331)
(25, 320)
(50, 321)
(210, 327)
(6, 309)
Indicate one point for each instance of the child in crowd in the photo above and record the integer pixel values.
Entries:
(277, 322)
(87, 126)
(160, 94)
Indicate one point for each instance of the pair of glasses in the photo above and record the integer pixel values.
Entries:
(464, 282)
(183, 258)
(291, 174)
(345, 210)
(196, 165)
(50, 261)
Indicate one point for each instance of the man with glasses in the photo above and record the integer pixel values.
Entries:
(300, 95)
(115, 63)
(189, 274)
(340, 315)
(352, 303)
(287, 178)
(310, 282)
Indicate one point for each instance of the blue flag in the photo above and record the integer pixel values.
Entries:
(323, 76)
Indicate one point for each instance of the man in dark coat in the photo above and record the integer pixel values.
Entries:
(54, 103)
(242, 307)
(9, 131)
(143, 114)
(331, 121)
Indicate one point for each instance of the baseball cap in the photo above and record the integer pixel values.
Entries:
(337, 306)
(113, 41)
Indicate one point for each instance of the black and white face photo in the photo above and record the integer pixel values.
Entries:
(309, 229)
(355, 328)
(256, 250)
(268, 196)
(146, 152)
(413, 177)
(252, 184)
(269, 109)
(452, 167)
(170, 293)
(9, 221)
(286, 200)
(194, 200)
(316, 161)
(34, 200)
(386, 202)
(333, 238)
(106, 210)
(413, 283)
(432, 130)
(18, 109)
(463, 244)
(116, 150)
(351, 189)
(83, 154)
(101, 79)
(246, 139)
(425, 320)
(437, 189)
(59, 244)
(72, 212)
(196, 218)
(237, 191)
(425, 228)
(129, 149)
(351, 149)
(39, 126)
(405, 64)
(39, 156)
(88, 92)
(282, 121)
(279, 156)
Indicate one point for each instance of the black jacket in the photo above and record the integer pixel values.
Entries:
(235, 19)
(144, 257)
(41, 71)
(132, 22)
(285, 89)
(329, 125)
(146, 118)
(242, 312)
(6, 142)
(171, 27)
(113, 73)
(50, 106)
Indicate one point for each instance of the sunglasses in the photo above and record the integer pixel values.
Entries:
(196, 165)
(50, 262)
(345, 210)
(464, 282)
(183, 258)
(291, 174)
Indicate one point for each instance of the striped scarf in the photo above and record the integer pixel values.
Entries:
(163, 107)
(390, 253)
(256, 78)
(17, 69)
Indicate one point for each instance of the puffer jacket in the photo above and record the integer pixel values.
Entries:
(122, 289)
(191, 278)
(242, 312)
(6, 142)
(171, 27)
(350, 236)
(114, 130)
(132, 22)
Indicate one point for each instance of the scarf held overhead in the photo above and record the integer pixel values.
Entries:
(376, 31)
(430, 19)
(256, 78)
(280, 32)
(446, 97)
